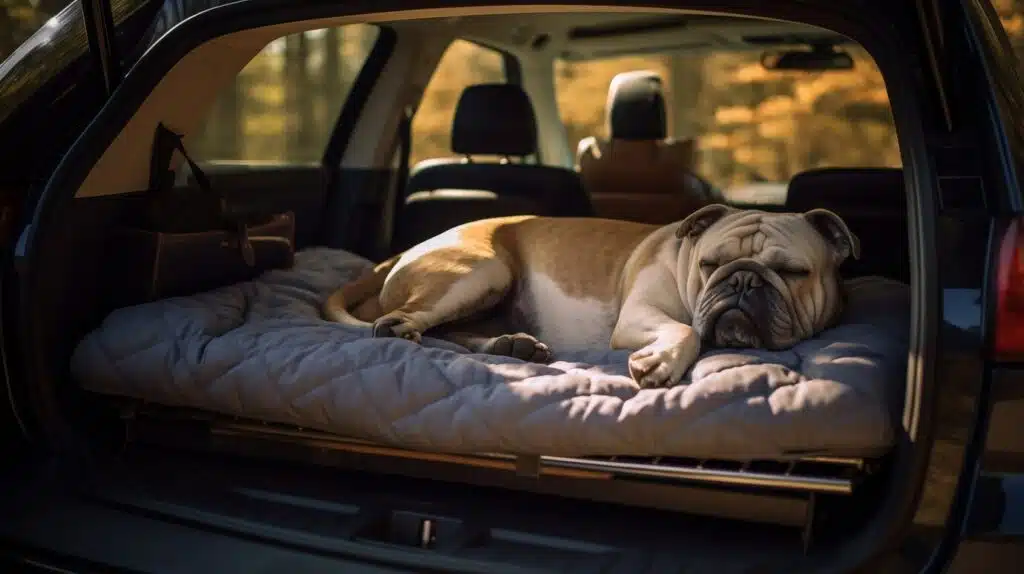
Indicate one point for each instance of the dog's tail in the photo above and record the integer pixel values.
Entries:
(361, 293)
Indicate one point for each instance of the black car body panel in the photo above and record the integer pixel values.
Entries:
(966, 479)
(995, 461)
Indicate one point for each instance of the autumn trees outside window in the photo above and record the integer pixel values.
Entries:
(283, 105)
(751, 124)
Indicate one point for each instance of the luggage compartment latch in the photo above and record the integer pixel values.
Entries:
(412, 529)
(428, 535)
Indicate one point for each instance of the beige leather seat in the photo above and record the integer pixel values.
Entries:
(638, 174)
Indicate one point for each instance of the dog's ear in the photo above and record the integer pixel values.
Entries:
(835, 231)
(699, 221)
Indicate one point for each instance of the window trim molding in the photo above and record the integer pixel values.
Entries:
(357, 98)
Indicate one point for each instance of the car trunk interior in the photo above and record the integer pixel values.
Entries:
(329, 499)
(313, 488)
(715, 514)
(329, 494)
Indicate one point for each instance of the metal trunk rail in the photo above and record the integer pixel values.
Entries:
(783, 492)
(818, 475)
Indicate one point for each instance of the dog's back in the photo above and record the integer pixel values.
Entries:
(558, 278)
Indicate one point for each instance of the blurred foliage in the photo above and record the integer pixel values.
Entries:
(750, 123)
(1011, 13)
(284, 103)
(58, 40)
(462, 65)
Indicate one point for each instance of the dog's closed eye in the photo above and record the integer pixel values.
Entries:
(794, 272)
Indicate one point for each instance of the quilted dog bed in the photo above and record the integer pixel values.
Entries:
(260, 350)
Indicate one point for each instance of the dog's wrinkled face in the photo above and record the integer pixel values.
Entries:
(763, 280)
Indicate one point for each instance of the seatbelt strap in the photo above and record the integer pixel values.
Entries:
(161, 180)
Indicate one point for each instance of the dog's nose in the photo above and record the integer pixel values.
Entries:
(743, 281)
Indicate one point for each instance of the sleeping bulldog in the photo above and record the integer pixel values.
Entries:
(519, 286)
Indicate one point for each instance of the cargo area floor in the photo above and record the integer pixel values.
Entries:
(424, 525)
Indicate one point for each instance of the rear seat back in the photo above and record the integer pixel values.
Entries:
(638, 174)
(873, 202)
(494, 120)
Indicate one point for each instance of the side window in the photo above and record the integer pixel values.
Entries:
(462, 65)
(283, 105)
(581, 91)
(751, 125)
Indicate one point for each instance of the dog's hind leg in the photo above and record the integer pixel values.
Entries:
(493, 336)
(440, 287)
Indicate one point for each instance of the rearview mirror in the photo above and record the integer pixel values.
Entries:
(816, 59)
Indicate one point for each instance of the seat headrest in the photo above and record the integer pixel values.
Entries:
(494, 119)
(838, 187)
(636, 107)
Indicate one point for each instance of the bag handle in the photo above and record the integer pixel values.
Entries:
(161, 179)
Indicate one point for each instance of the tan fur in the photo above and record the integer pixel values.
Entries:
(360, 293)
(585, 256)
(588, 281)
(607, 243)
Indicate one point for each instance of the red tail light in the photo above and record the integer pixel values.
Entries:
(1009, 335)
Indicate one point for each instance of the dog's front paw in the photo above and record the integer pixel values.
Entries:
(520, 346)
(653, 367)
(396, 326)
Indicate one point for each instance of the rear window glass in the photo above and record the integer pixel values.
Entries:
(1011, 16)
(752, 125)
(40, 38)
(19, 19)
(282, 107)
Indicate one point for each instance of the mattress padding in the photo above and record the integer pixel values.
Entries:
(260, 350)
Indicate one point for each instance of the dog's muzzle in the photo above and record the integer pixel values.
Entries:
(738, 311)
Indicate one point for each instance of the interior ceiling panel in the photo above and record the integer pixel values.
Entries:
(596, 35)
